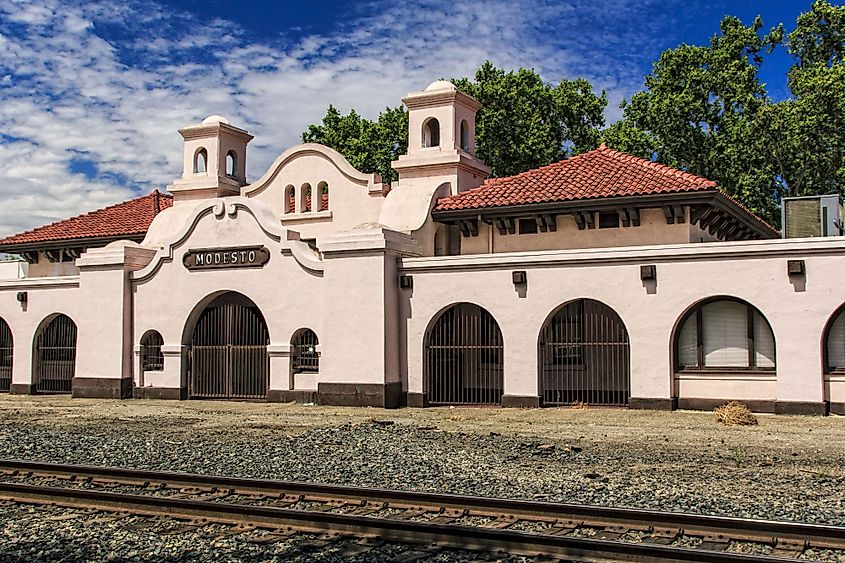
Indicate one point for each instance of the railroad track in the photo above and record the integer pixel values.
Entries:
(522, 527)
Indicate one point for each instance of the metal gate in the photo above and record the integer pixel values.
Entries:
(55, 356)
(6, 353)
(465, 358)
(584, 356)
(229, 357)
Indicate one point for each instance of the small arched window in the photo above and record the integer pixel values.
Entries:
(835, 343)
(725, 333)
(305, 357)
(290, 195)
(465, 135)
(201, 161)
(231, 164)
(306, 198)
(323, 201)
(431, 133)
(152, 358)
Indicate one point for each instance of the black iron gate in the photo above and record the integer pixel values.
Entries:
(465, 358)
(6, 356)
(229, 357)
(55, 356)
(584, 356)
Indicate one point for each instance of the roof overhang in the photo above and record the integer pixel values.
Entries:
(710, 209)
(84, 242)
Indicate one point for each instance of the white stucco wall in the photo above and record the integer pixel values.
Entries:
(751, 271)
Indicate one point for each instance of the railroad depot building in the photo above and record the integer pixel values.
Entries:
(603, 279)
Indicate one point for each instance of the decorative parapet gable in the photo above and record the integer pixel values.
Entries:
(230, 208)
(372, 182)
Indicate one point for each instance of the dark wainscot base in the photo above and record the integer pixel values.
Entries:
(22, 389)
(388, 395)
(101, 388)
(521, 401)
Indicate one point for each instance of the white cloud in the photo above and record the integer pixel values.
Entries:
(70, 89)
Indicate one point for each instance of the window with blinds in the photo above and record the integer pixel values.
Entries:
(835, 345)
(726, 334)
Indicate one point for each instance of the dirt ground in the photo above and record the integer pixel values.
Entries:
(824, 436)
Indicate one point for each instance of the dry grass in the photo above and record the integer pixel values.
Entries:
(734, 413)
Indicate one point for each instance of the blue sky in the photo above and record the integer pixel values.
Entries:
(93, 92)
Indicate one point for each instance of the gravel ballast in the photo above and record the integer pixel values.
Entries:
(785, 468)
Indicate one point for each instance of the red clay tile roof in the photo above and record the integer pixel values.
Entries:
(599, 173)
(128, 219)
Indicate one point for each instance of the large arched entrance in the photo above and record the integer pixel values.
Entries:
(54, 355)
(228, 356)
(465, 358)
(584, 356)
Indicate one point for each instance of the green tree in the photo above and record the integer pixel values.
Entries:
(370, 146)
(524, 123)
(698, 112)
(805, 135)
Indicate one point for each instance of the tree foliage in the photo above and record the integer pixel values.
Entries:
(705, 110)
(369, 146)
(524, 123)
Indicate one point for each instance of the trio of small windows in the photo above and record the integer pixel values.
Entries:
(308, 202)
(201, 162)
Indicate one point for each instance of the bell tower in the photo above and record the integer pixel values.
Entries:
(441, 139)
(213, 162)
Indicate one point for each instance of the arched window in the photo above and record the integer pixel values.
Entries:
(151, 357)
(431, 133)
(304, 355)
(306, 198)
(834, 343)
(231, 164)
(465, 135)
(323, 201)
(201, 161)
(6, 356)
(724, 334)
(290, 194)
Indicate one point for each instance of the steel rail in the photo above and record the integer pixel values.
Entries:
(563, 517)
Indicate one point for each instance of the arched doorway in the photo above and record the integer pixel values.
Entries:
(54, 355)
(228, 356)
(6, 355)
(584, 356)
(465, 358)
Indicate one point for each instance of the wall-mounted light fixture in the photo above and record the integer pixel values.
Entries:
(520, 277)
(648, 272)
(795, 268)
(22, 297)
(406, 282)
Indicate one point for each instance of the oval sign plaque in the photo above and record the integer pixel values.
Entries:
(231, 257)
